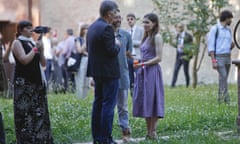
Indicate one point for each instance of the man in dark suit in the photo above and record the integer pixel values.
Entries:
(182, 58)
(103, 66)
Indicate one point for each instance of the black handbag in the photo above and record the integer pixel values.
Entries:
(73, 62)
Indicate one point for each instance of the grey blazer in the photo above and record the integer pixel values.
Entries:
(136, 40)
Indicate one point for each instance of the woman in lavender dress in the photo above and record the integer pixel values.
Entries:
(148, 99)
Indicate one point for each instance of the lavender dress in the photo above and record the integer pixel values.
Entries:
(148, 98)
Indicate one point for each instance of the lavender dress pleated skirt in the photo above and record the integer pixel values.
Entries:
(148, 98)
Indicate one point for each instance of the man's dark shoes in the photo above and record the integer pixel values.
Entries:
(126, 135)
(111, 141)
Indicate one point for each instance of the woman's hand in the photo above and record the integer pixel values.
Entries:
(136, 64)
(39, 46)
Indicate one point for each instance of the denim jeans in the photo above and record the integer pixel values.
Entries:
(48, 70)
(103, 108)
(122, 107)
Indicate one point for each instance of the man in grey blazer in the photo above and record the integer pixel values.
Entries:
(136, 33)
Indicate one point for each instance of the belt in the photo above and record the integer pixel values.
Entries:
(223, 55)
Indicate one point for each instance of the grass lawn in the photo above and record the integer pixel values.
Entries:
(192, 116)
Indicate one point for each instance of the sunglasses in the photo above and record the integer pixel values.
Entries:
(130, 19)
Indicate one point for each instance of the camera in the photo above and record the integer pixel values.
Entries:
(41, 30)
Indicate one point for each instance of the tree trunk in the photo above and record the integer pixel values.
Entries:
(194, 72)
(195, 64)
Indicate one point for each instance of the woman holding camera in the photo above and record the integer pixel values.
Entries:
(31, 116)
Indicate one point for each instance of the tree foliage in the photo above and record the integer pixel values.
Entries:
(199, 16)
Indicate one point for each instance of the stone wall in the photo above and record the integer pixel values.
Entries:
(16, 10)
(70, 14)
(61, 14)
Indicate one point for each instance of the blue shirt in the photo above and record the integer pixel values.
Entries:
(223, 42)
(126, 45)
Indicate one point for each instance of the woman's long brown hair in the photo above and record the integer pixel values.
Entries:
(154, 19)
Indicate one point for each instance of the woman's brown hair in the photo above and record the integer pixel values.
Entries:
(83, 27)
(21, 25)
(154, 19)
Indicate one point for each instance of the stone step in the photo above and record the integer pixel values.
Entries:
(133, 140)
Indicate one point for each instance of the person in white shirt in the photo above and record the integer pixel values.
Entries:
(48, 53)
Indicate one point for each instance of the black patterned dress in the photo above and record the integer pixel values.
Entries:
(31, 116)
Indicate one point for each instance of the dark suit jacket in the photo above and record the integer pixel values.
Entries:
(188, 38)
(102, 51)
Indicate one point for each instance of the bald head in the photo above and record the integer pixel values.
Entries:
(180, 27)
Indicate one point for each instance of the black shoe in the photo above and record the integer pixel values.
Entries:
(111, 141)
(97, 142)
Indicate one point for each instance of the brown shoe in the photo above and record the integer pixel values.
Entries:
(126, 135)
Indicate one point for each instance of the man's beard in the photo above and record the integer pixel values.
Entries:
(117, 24)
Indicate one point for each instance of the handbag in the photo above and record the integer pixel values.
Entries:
(73, 62)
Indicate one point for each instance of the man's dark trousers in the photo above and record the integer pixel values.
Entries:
(180, 61)
(131, 74)
(103, 108)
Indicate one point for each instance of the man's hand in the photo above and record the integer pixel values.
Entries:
(214, 64)
(117, 42)
(180, 46)
(129, 55)
(232, 45)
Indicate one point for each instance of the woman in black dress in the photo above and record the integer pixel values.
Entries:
(31, 116)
